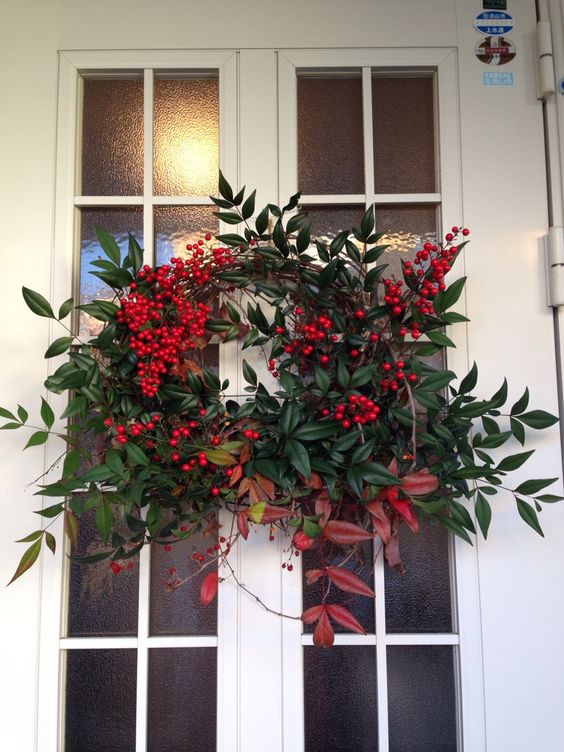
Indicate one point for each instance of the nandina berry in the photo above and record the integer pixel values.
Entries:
(215, 491)
(108, 422)
(216, 441)
(168, 547)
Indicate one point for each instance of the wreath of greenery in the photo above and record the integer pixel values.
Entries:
(359, 436)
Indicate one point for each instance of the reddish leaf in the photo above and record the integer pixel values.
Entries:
(420, 483)
(314, 481)
(344, 617)
(273, 514)
(346, 580)
(312, 614)
(312, 575)
(323, 506)
(246, 453)
(393, 466)
(380, 519)
(323, 635)
(302, 541)
(266, 484)
(405, 508)
(256, 493)
(243, 525)
(244, 487)
(345, 533)
(392, 553)
(208, 590)
(71, 528)
(237, 475)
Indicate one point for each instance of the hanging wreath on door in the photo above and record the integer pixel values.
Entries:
(357, 436)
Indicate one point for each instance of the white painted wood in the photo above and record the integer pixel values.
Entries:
(148, 235)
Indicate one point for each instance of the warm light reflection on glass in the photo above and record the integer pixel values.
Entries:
(186, 137)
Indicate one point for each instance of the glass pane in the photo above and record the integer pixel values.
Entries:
(404, 140)
(177, 610)
(407, 228)
(340, 699)
(420, 600)
(112, 138)
(360, 607)
(329, 221)
(100, 700)
(421, 696)
(119, 222)
(186, 137)
(101, 603)
(330, 145)
(182, 700)
(178, 226)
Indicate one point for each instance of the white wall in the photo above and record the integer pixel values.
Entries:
(522, 592)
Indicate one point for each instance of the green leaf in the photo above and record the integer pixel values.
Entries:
(534, 485)
(22, 414)
(367, 223)
(483, 513)
(135, 254)
(436, 381)
(65, 309)
(521, 403)
(135, 454)
(461, 515)
(454, 527)
(71, 463)
(440, 339)
(469, 381)
(77, 406)
(114, 461)
(97, 474)
(102, 310)
(37, 303)
(52, 511)
(50, 541)
(500, 396)
(109, 245)
(315, 430)
(58, 347)
(322, 379)
(31, 537)
(299, 457)
(448, 297)
(249, 206)
(549, 498)
(7, 414)
(154, 517)
(37, 438)
(249, 374)
(28, 559)
(47, 414)
(514, 461)
(224, 188)
(529, 515)
(538, 419)
(229, 218)
(261, 223)
(363, 375)
(104, 521)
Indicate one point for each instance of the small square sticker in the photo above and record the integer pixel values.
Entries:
(495, 5)
(497, 79)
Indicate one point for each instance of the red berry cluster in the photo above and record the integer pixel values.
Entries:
(393, 296)
(395, 380)
(358, 410)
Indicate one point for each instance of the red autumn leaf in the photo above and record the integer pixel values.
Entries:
(392, 553)
(302, 541)
(311, 614)
(269, 514)
(323, 506)
(346, 580)
(256, 493)
(208, 590)
(312, 575)
(380, 519)
(420, 483)
(324, 636)
(345, 533)
(343, 616)
(314, 481)
(246, 453)
(266, 484)
(243, 487)
(237, 475)
(393, 466)
(404, 507)
(243, 524)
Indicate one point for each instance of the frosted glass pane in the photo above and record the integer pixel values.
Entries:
(100, 603)
(112, 138)
(182, 700)
(361, 564)
(420, 600)
(178, 611)
(340, 699)
(178, 226)
(406, 229)
(421, 697)
(100, 700)
(186, 137)
(328, 221)
(330, 146)
(404, 140)
(119, 222)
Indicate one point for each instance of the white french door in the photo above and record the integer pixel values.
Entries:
(351, 127)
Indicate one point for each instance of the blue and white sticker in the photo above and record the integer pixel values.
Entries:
(494, 23)
(497, 79)
(561, 86)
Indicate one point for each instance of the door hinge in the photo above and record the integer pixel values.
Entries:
(546, 82)
(554, 244)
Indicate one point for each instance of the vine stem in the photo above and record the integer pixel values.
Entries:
(413, 422)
